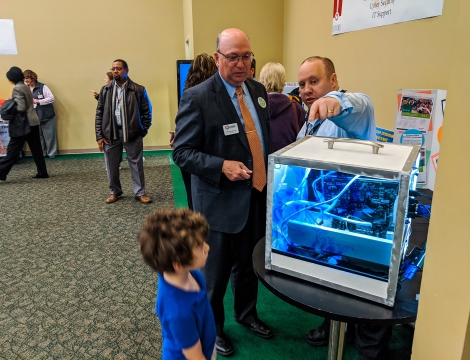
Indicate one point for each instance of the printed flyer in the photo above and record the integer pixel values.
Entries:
(415, 111)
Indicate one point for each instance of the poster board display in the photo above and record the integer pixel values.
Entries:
(418, 121)
(4, 138)
(289, 86)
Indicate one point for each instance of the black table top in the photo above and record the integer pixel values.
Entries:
(334, 304)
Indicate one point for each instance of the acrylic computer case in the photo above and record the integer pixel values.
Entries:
(337, 213)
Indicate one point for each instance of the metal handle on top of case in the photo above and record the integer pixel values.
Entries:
(375, 146)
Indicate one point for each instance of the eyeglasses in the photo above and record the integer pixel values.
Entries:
(233, 59)
(116, 68)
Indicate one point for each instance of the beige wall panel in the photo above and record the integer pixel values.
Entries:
(188, 27)
(71, 46)
(262, 20)
(376, 61)
(444, 307)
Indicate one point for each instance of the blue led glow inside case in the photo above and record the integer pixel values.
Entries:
(335, 219)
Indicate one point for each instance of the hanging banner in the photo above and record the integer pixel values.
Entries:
(352, 15)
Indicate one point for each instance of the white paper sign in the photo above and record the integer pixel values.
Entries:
(352, 15)
(7, 38)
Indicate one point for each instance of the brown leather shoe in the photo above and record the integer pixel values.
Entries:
(112, 198)
(144, 199)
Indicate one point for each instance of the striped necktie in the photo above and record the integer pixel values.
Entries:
(259, 167)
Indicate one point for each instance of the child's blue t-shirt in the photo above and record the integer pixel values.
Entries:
(185, 318)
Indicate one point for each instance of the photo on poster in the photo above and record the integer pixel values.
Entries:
(415, 111)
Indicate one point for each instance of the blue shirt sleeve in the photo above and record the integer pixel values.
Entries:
(183, 330)
(356, 119)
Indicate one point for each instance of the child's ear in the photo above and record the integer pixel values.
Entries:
(177, 266)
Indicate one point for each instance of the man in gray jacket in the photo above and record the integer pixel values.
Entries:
(123, 117)
(21, 95)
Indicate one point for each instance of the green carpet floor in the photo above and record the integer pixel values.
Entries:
(72, 282)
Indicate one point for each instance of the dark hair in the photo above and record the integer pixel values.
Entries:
(30, 74)
(15, 75)
(217, 43)
(253, 64)
(202, 68)
(169, 236)
(329, 66)
(124, 64)
(109, 74)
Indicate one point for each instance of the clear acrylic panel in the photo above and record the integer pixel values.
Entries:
(335, 219)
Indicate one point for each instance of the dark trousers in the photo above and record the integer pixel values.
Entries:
(113, 157)
(13, 150)
(187, 184)
(230, 257)
(371, 341)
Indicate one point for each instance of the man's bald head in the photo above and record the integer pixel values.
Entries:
(230, 35)
(233, 56)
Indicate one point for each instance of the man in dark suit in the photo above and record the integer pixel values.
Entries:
(222, 139)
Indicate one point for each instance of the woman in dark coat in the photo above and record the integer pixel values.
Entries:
(287, 117)
(21, 95)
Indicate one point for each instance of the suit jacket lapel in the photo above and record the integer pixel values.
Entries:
(226, 106)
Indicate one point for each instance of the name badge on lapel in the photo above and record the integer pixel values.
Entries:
(230, 129)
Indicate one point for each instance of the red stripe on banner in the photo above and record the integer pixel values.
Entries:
(337, 8)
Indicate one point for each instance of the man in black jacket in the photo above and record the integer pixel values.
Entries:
(123, 117)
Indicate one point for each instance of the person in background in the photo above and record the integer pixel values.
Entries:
(253, 69)
(24, 104)
(287, 117)
(222, 139)
(123, 117)
(43, 99)
(172, 242)
(202, 68)
(334, 112)
(108, 78)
